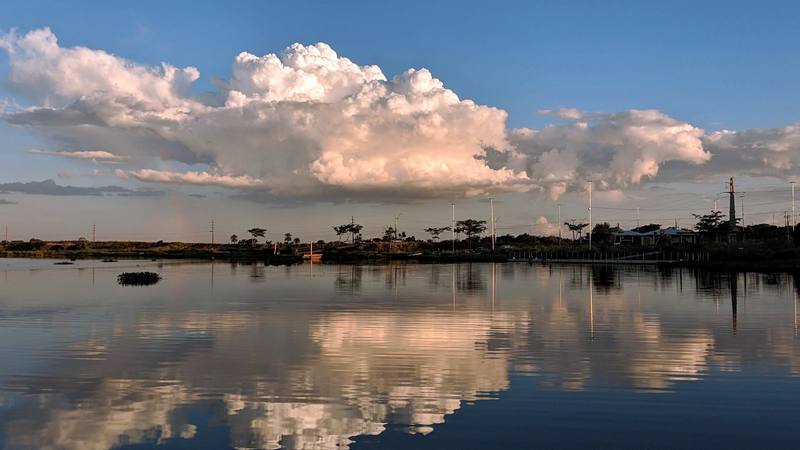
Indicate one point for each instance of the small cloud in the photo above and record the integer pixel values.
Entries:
(562, 113)
(544, 227)
(613, 196)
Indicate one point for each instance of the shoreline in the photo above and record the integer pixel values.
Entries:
(767, 266)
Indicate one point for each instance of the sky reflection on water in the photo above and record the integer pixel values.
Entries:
(391, 356)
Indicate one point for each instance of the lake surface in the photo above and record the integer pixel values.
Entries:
(463, 356)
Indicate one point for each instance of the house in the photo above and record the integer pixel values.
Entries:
(672, 234)
(679, 235)
(630, 237)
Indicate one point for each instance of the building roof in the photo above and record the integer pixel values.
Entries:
(672, 231)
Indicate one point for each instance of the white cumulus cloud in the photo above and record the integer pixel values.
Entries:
(308, 122)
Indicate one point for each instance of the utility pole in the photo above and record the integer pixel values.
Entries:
(454, 226)
(212, 233)
(590, 213)
(742, 201)
(396, 218)
(559, 224)
(786, 222)
(794, 212)
(732, 207)
(491, 206)
(94, 232)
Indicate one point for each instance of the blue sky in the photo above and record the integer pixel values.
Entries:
(715, 65)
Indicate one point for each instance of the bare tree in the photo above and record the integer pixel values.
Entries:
(471, 228)
(436, 231)
(257, 232)
(353, 228)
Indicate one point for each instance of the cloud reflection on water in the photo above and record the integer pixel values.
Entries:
(312, 360)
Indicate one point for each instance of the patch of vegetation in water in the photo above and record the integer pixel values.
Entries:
(138, 278)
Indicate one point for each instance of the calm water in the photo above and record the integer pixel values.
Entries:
(467, 356)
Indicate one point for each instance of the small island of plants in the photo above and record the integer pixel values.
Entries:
(138, 278)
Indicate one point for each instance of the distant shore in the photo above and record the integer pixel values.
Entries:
(720, 259)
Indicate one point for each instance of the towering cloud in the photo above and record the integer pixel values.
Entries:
(309, 122)
(302, 122)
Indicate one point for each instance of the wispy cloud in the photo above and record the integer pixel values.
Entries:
(190, 177)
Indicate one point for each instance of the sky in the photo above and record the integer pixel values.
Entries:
(151, 119)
